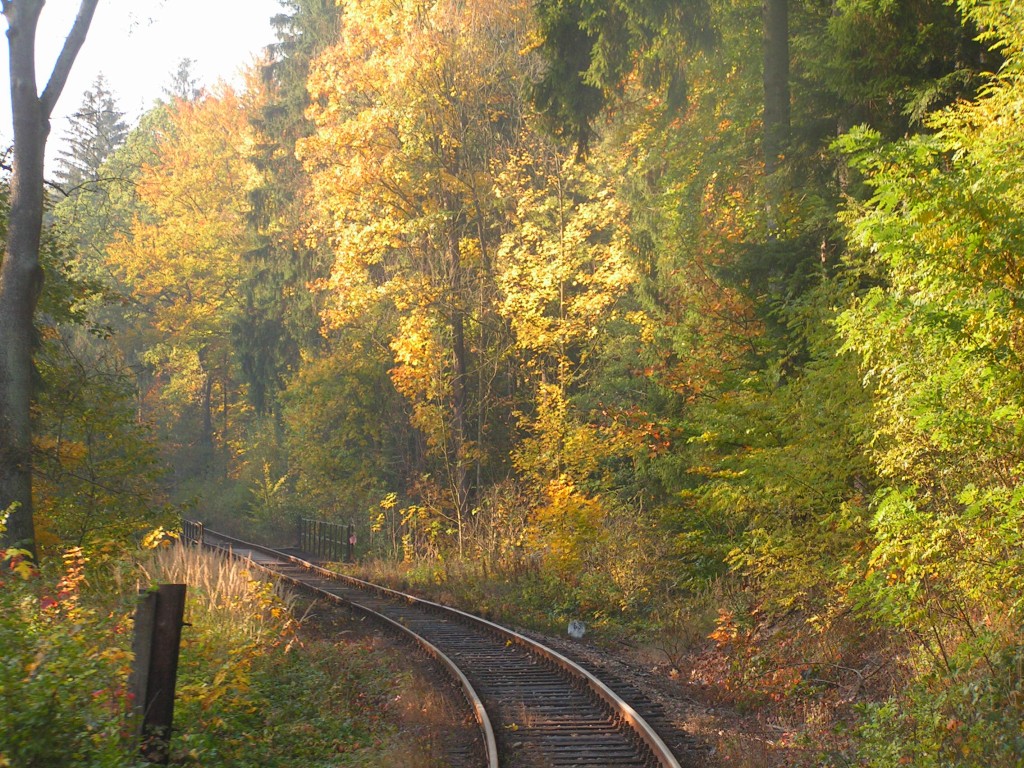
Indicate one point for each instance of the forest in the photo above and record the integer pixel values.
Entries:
(701, 322)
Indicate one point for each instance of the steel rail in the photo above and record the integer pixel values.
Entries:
(621, 709)
(450, 667)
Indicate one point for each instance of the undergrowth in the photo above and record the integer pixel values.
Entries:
(253, 689)
(528, 597)
(789, 687)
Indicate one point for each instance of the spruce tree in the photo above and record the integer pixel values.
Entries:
(97, 129)
(272, 330)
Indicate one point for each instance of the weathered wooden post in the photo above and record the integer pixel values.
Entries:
(158, 622)
(350, 554)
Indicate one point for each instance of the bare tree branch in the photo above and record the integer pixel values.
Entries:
(72, 45)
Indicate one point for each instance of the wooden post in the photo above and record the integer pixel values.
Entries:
(142, 645)
(158, 623)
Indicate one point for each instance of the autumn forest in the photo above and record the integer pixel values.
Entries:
(701, 322)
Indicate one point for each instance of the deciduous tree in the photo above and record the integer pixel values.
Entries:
(412, 108)
(21, 279)
(182, 259)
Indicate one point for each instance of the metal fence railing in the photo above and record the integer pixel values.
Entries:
(327, 540)
(321, 538)
(192, 531)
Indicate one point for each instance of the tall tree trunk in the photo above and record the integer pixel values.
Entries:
(224, 437)
(776, 82)
(21, 277)
(460, 481)
(207, 449)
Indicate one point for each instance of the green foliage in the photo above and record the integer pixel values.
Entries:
(920, 57)
(64, 676)
(97, 468)
(343, 455)
(611, 386)
(968, 720)
(279, 317)
(591, 48)
(939, 340)
(91, 217)
(97, 131)
(563, 94)
(246, 677)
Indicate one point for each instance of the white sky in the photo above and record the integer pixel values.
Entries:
(137, 45)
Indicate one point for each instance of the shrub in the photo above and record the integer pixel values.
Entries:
(64, 670)
(967, 719)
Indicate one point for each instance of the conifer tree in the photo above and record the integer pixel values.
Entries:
(97, 130)
(183, 84)
(279, 318)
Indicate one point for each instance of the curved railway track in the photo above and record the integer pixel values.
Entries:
(534, 706)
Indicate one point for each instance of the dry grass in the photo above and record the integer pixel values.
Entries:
(425, 718)
(229, 593)
(428, 725)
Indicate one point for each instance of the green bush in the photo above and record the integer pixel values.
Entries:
(64, 671)
(250, 690)
(253, 692)
(968, 719)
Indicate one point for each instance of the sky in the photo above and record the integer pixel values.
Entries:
(137, 45)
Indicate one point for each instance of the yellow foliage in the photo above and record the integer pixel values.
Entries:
(182, 258)
(569, 527)
(560, 445)
(410, 111)
(158, 537)
(565, 262)
(68, 452)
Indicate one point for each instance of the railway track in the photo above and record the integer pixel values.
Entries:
(534, 706)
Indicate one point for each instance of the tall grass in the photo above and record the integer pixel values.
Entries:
(225, 594)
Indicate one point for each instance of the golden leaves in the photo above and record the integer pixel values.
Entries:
(565, 262)
(183, 254)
